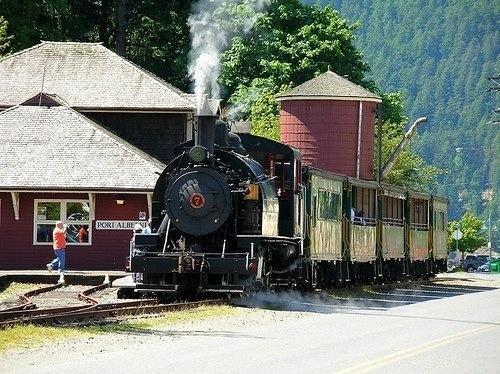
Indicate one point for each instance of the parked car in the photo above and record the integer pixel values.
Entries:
(472, 262)
(484, 268)
(454, 260)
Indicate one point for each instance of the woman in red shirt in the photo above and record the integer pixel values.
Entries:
(59, 239)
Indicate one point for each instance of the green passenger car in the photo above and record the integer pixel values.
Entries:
(362, 207)
(324, 215)
(439, 225)
(418, 229)
(392, 201)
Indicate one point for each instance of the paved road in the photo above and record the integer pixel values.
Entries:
(432, 329)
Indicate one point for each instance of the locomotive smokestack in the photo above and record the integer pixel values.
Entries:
(207, 115)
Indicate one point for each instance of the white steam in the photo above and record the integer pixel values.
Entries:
(211, 30)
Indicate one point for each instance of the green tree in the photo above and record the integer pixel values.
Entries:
(158, 38)
(265, 116)
(32, 21)
(410, 170)
(152, 33)
(292, 43)
(288, 44)
(5, 39)
(471, 227)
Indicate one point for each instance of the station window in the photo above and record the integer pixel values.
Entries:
(75, 213)
(329, 205)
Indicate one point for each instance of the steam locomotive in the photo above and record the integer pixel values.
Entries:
(232, 213)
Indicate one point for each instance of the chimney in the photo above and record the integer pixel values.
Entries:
(205, 134)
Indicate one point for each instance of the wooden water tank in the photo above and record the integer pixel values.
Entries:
(331, 121)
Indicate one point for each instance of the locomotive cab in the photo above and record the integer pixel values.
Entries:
(284, 165)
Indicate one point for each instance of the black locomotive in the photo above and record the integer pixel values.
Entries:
(235, 212)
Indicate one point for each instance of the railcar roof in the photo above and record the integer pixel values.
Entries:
(259, 143)
(362, 182)
(326, 174)
(441, 198)
(419, 195)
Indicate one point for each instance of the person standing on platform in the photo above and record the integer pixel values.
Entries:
(59, 239)
(147, 229)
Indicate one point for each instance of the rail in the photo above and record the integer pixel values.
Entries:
(419, 226)
(364, 221)
(92, 310)
(393, 221)
(27, 304)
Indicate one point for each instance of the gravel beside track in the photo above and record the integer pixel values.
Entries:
(9, 297)
(10, 303)
(62, 297)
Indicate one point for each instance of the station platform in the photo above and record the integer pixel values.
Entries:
(84, 277)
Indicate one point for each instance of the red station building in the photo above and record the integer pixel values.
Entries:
(85, 151)
(59, 165)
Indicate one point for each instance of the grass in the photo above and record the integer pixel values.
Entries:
(145, 324)
(25, 336)
(15, 289)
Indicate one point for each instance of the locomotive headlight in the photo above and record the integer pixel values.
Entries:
(252, 192)
(198, 153)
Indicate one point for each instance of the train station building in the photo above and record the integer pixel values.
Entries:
(84, 134)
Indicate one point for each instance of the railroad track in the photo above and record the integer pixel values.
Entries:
(91, 310)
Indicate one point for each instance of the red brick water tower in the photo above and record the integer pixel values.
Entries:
(331, 121)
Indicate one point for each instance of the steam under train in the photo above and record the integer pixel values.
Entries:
(236, 212)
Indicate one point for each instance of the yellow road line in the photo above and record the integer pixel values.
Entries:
(410, 352)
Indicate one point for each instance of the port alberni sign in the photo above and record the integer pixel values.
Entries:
(117, 225)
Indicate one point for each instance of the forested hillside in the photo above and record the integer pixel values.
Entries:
(440, 54)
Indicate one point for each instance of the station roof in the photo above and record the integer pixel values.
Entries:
(56, 148)
(328, 86)
(89, 76)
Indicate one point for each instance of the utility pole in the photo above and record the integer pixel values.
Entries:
(489, 233)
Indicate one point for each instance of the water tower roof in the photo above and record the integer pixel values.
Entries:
(329, 86)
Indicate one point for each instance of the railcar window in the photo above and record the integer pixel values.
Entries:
(298, 175)
(392, 211)
(363, 206)
(314, 210)
(284, 175)
(271, 163)
(335, 205)
(328, 205)
(419, 214)
(439, 221)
